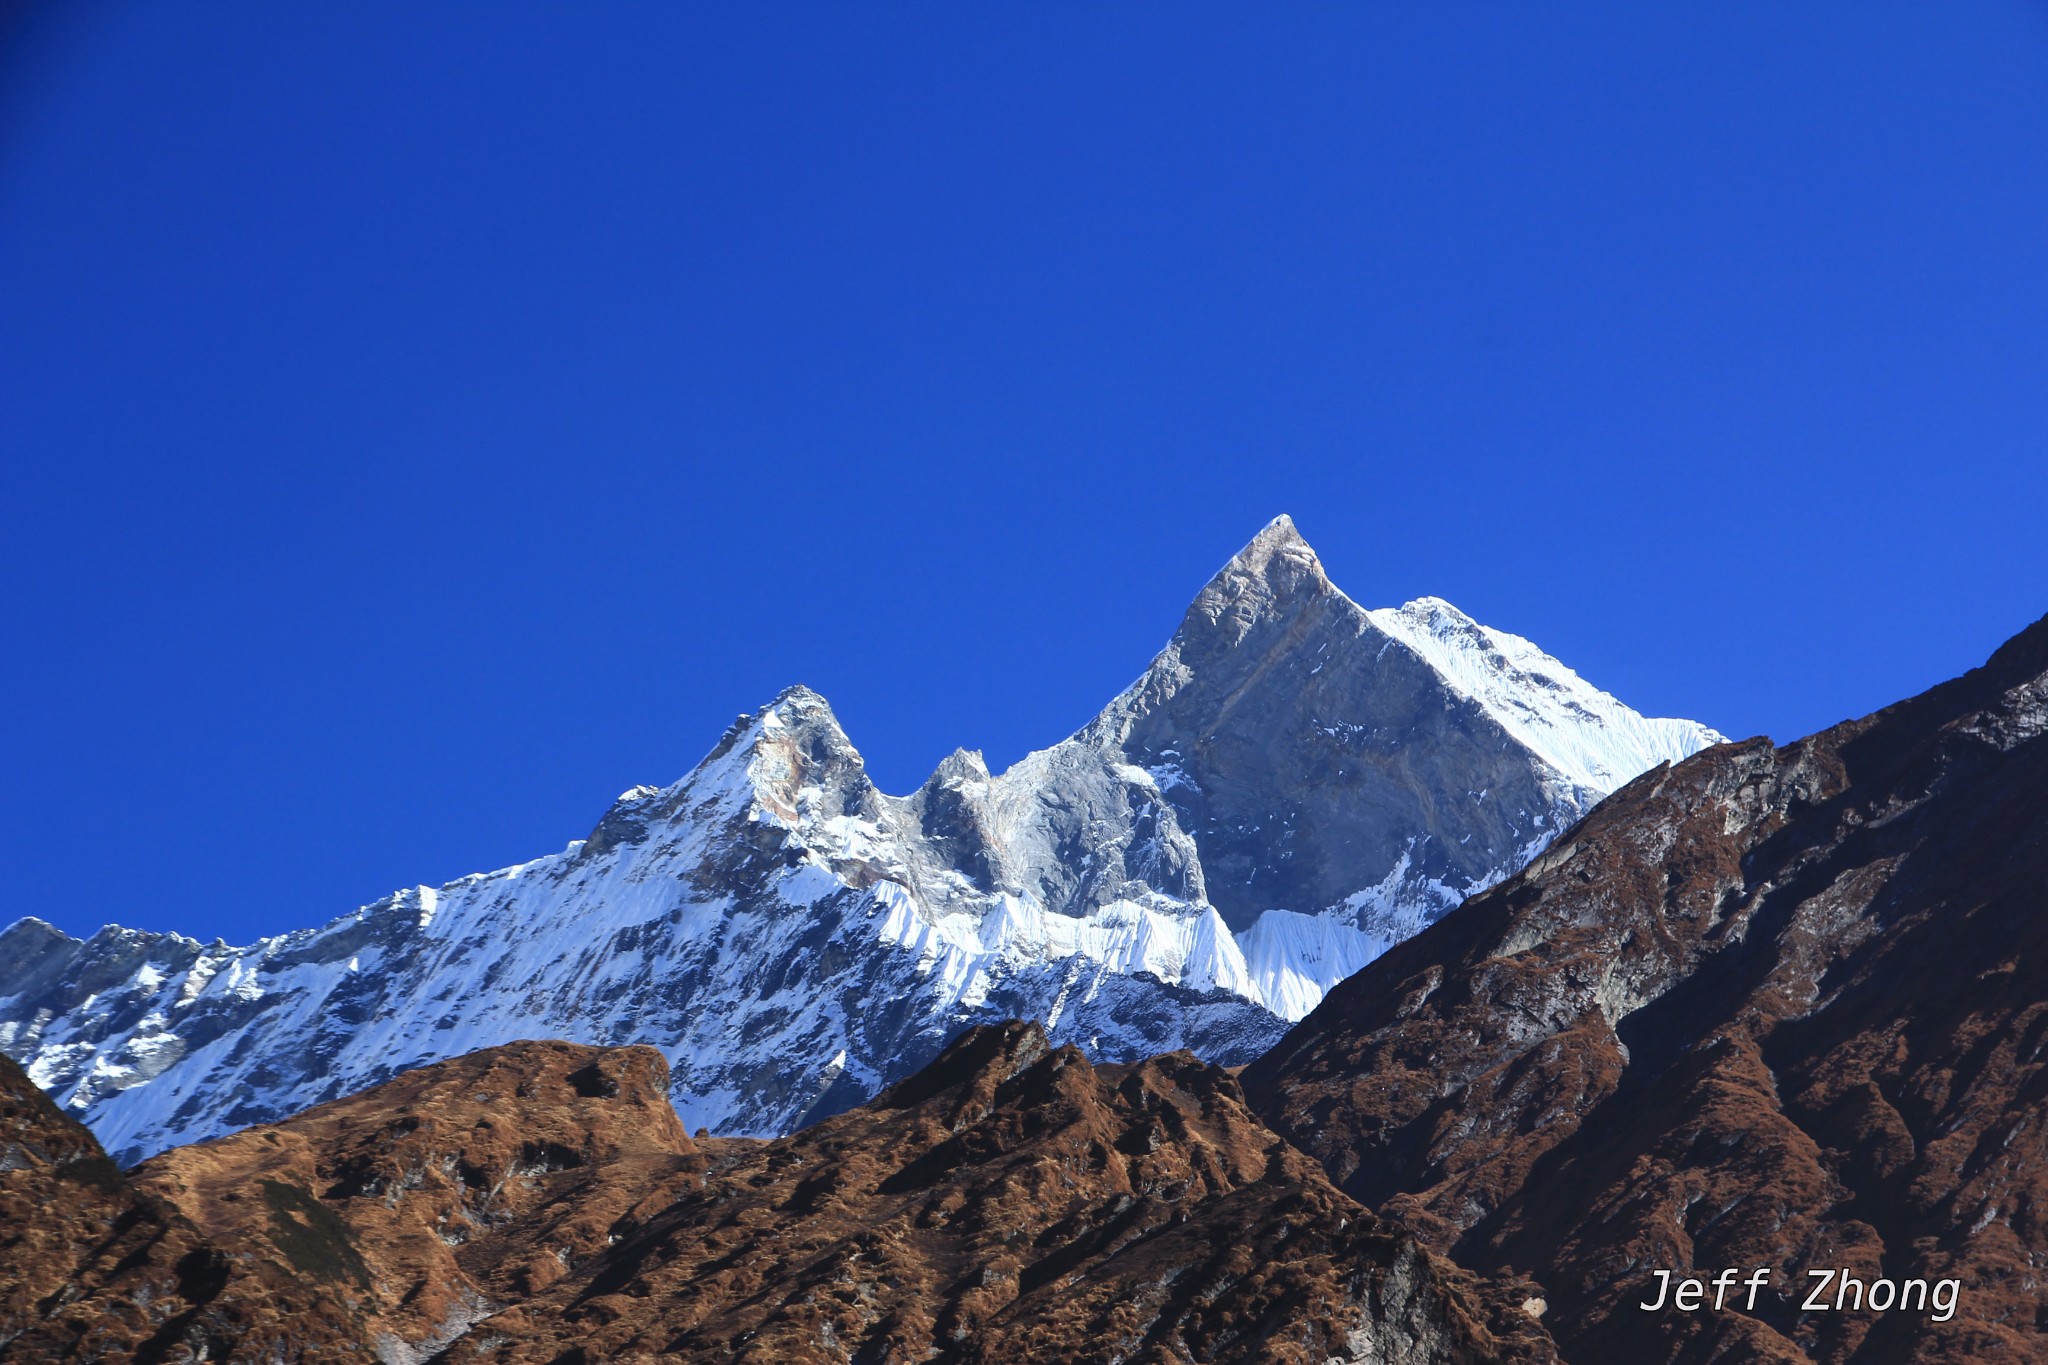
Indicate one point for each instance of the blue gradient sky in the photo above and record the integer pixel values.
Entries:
(423, 422)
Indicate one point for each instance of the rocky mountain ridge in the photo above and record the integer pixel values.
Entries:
(1294, 784)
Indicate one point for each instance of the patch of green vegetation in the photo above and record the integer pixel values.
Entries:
(311, 1237)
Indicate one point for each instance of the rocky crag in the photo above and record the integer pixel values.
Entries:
(1294, 784)
(1768, 1007)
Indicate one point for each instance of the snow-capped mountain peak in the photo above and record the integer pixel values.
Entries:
(1293, 784)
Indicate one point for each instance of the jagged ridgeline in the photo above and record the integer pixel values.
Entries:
(1293, 785)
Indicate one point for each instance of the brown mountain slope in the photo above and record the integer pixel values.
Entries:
(449, 1191)
(1013, 1203)
(94, 1269)
(1771, 1007)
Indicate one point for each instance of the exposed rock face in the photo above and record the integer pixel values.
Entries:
(1288, 726)
(1773, 1007)
(1294, 784)
(94, 1268)
(462, 1186)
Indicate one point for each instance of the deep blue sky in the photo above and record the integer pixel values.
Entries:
(423, 422)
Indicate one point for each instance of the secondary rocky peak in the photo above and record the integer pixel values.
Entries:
(802, 719)
(795, 707)
(795, 748)
(35, 952)
(799, 700)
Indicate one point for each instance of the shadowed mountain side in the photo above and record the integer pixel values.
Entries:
(1769, 1007)
(1291, 728)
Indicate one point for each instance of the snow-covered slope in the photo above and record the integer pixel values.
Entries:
(1293, 785)
(777, 926)
(1592, 740)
